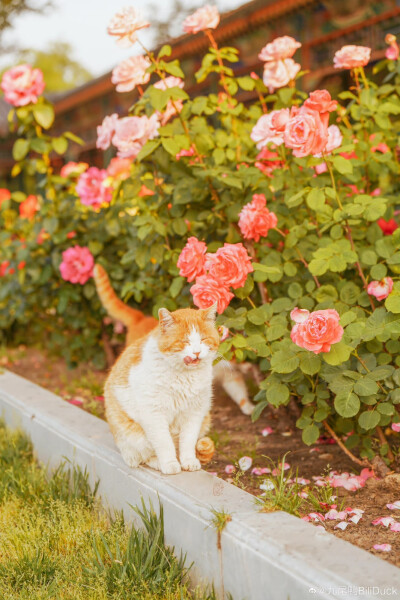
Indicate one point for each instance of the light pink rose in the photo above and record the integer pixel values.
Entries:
(124, 26)
(321, 168)
(380, 289)
(206, 17)
(230, 265)
(305, 133)
(392, 53)
(173, 107)
(192, 259)
(22, 85)
(91, 190)
(130, 73)
(270, 128)
(105, 131)
(120, 168)
(206, 291)
(279, 73)
(255, 220)
(350, 57)
(73, 169)
(299, 315)
(335, 139)
(279, 49)
(77, 264)
(318, 332)
(132, 133)
(321, 101)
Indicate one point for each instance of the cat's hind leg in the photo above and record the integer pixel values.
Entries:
(233, 383)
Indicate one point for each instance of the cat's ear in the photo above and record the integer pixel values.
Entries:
(166, 319)
(210, 314)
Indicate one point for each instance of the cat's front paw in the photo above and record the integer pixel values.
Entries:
(170, 468)
(190, 464)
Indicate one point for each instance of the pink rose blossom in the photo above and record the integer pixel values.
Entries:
(267, 161)
(305, 133)
(119, 168)
(77, 264)
(385, 521)
(132, 133)
(392, 53)
(206, 17)
(299, 315)
(105, 131)
(91, 190)
(396, 427)
(182, 153)
(322, 167)
(380, 289)
(192, 259)
(130, 73)
(206, 291)
(279, 73)
(321, 101)
(255, 220)
(318, 332)
(279, 49)
(270, 128)
(334, 139)
(73, 169)
(229, 469)
(230, 265)
(124, 26)
(350, 57)
(383, 547)
(22, 85)
(388, 227)
(29, 207)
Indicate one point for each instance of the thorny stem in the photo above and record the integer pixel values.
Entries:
(363, 462)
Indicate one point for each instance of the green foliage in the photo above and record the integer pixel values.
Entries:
(327, 248)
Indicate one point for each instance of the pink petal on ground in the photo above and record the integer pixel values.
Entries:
(314, 516)
(76, 401)
(245, 463)
(213, 473)
(267, 431)
(356, 511)
(367, 474)
(257, 471)
(394, 506)
(355, 518)
(229, 469)
(396, 427)
(383, 547)
(267, 485)
(99, 398)
(302, 494)
(332, 514)
(395, 527)
(385, 521)
(342, 525)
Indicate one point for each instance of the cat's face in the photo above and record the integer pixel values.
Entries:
(188, 336)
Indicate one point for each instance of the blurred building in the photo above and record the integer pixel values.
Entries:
(322, 26)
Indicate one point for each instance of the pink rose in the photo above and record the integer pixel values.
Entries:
(124, 26)
(280, 73)
(380, 289)
(335, 139)
(206, 291)
(29, 207)
(71, 169)
(255, 220)
(318, 331)
(91, 190)
(130, 73)
(305, 133)
(230, 265)
(106, 130)
(267, 161)
(22, 85)
(206, 17)
(173, 107)
(77, 264)
(270, 128)
(279, 49)
(192, 259)
(388, 227)
(120, 168)
(321, 101)
(392, 53)
(132, 133)
(350, 57)
(321, 168)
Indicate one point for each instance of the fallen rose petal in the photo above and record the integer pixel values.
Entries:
(396, 427)
(213, 473)
(245, 463)
(394, 506)
(302, 481)
(267, 485)
(395, 527)
(302, 494)
(342, 525)
(355, 518)
(76, 401)
(385, 521)
(357, 511)
(383, 547)
(257, 471)
(229, 469)
(267, 431)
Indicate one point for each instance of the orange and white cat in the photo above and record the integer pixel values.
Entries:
(228, 375)
(158, 394)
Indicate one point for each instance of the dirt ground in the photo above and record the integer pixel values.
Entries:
(236, 436)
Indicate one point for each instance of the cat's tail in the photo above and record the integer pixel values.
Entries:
(113, 305)
(205, 450)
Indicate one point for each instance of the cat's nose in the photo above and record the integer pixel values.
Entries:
(197, 354)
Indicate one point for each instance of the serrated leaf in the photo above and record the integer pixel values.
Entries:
(342, 165)
(347, 405)
(369, 419)
(338, 354)
(310, 363)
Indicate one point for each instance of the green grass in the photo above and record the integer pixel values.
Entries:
(56, 541)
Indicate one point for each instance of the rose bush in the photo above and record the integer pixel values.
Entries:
(284, 212)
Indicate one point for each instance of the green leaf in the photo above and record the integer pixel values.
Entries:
(278, 394)
(284, 362)
(148, 148)
(20, 149)
(366, 386)
(176, 286)
(338, 354)
(392, 302)
(369, 419)
(44, 115)
(386, 408)
(347, 405)
(170, 146)
(342, 165)
(310, 363)
(74, 138)
(310, 434)
(165, 51)
(60, 144)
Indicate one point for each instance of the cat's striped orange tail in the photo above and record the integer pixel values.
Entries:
(205, 449)
(113, 305)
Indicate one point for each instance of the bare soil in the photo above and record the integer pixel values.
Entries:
(236, 436)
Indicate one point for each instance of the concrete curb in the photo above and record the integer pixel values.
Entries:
(263, 556)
